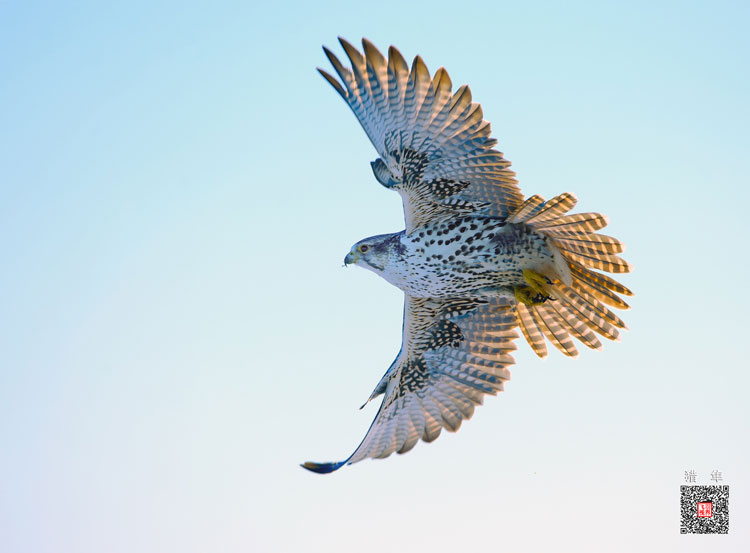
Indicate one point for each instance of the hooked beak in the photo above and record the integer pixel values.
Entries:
(350, 259)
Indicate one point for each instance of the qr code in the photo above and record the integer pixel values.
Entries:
(704, 509)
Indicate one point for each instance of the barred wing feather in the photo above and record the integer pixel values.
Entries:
(434, 145)
(454, 352)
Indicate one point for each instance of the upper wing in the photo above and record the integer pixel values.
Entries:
(453, 352)
(434, 146)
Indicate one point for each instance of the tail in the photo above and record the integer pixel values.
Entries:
(577, 309)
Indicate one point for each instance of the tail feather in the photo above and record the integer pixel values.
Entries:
(578, 310)
(531, 331)
(583, 310)
(612, 245)
(582, 223)
(554, 330)
(527, 209)
(592, 304)
(582, 273)
(575, 326)
(555, 208)
(609, 263)
(601, 293)
(589, 247)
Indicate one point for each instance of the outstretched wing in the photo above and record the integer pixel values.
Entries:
(453, 352)
(434, 145)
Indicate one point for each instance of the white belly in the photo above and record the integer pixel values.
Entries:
(477, 256)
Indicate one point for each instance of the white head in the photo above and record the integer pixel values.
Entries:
(380, 254)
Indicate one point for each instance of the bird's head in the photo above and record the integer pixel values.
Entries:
(376, 253)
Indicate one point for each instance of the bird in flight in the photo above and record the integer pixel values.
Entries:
(475, 261)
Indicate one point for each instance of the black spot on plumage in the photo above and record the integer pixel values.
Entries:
(444, 333)
(414, 376)
(460, 307)
(412, 165)
(443, 188)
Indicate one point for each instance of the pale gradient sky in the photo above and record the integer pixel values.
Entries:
(179, 188)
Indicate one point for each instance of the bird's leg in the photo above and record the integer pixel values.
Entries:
(536, 281)
(534, 293)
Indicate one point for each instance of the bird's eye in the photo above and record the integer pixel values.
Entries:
(363, 248)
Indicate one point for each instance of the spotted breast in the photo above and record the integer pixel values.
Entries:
(470, 256)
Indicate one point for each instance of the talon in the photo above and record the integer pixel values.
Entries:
(523, 295)
(534, 293)
(536, 281)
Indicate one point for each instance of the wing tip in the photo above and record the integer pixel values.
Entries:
(333, 82)
(322, 468)
(367, 44)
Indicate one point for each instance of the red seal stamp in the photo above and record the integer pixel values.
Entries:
(705, 509)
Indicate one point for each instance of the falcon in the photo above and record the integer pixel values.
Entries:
(475, 262)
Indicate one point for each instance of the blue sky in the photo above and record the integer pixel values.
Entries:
(179, 188)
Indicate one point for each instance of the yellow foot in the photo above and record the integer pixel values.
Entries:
(534, 293)
(536, 281)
